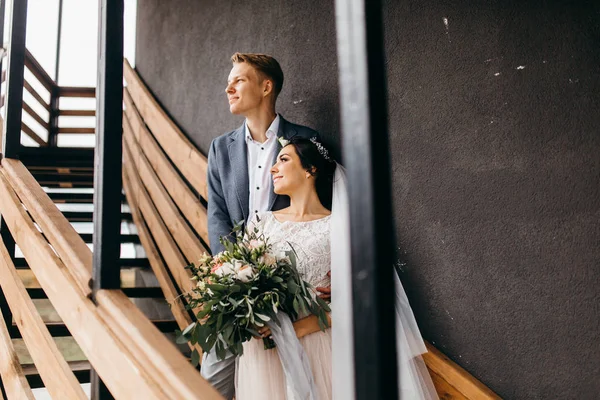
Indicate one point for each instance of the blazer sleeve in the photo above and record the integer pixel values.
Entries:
(219, 222)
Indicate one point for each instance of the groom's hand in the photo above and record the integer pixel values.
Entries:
(325, 291)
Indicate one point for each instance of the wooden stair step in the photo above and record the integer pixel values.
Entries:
(125, 263)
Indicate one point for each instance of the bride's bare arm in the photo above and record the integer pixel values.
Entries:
(308, 325)
(303, 327)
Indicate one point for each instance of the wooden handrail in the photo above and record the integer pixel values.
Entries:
(185, 156)
(54, 370)
(188, 203)
(170, 370)
(189, 244)
(60, 233)
(29, 132)
(156, 263)
(12, 374)
(121, 368)
(168, 248)
(38, 71)
(453, 374)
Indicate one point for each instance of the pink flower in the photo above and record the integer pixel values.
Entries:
(245, 273)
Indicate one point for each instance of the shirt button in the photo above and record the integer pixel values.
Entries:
(256, 211)
(259, 166)
(257, 188)
(262, 148)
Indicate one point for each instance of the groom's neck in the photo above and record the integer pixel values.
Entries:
(259, 122)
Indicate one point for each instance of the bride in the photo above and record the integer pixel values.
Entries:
(316, 184)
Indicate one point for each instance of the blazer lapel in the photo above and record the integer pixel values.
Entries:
(286, 131)
(238, 159)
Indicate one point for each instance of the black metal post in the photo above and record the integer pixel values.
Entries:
(108, 155)
(11, 139)
(54, 98)
(363, 100)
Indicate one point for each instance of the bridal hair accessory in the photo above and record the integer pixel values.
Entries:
(283, 142)
(322, 150)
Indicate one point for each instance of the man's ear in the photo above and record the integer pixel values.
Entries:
(267, 87)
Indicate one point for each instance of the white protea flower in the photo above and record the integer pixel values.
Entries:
(225, 269)
(245, 273)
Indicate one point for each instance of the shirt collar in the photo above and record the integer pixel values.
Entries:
(271, 132)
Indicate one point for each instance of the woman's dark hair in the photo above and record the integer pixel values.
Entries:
(317, 165)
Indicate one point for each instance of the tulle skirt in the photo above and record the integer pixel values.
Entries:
(259, 375)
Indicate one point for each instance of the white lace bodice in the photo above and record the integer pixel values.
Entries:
(309, 239)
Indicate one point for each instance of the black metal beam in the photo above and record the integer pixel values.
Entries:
(11, 139)
(363, 100)
(54, 96)
(108, 155)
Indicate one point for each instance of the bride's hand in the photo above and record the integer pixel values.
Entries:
(265, 332)
(325, 291)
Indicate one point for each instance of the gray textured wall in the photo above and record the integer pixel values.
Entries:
(496, 159)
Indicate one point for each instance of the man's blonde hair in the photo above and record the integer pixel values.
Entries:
(266, 66)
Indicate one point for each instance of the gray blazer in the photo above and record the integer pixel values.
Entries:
(228, 182)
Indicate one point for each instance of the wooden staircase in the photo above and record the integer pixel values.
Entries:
(66, 174)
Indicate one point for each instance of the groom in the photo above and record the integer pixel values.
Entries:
(239, 165)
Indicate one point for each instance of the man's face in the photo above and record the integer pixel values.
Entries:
(245, 91)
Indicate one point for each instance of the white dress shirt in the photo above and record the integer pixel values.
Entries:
(260, 157)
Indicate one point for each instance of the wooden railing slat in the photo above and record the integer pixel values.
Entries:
(189, 244)
(67, 91)
(124, 376)
(168, 248)
(186, 157)
(170, 369)
(29, 132)
(36, 95)
(188, 203)
(54, 370)
(12, 374)
(76, 131)
(77, 113)
(158, 267)
(60, 233)
(35, 116)
(456, 376)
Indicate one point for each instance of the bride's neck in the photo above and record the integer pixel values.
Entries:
(305, 203)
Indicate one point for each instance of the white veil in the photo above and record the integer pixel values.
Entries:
(415, 382)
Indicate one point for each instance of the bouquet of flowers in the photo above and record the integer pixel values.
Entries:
(243, 288)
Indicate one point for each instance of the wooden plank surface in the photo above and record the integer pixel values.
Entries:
(170, 368)
(186, 157)
(456, 376)
(54, 371)
(123, 374)
(167, 246)
(187, 241)
(186, 200)
(178, 309)
(76, 255)
(11, 372)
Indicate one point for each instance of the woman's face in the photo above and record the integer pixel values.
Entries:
(288, 173)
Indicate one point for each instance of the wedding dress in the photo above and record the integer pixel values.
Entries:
(323, 245)
(259, 373)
